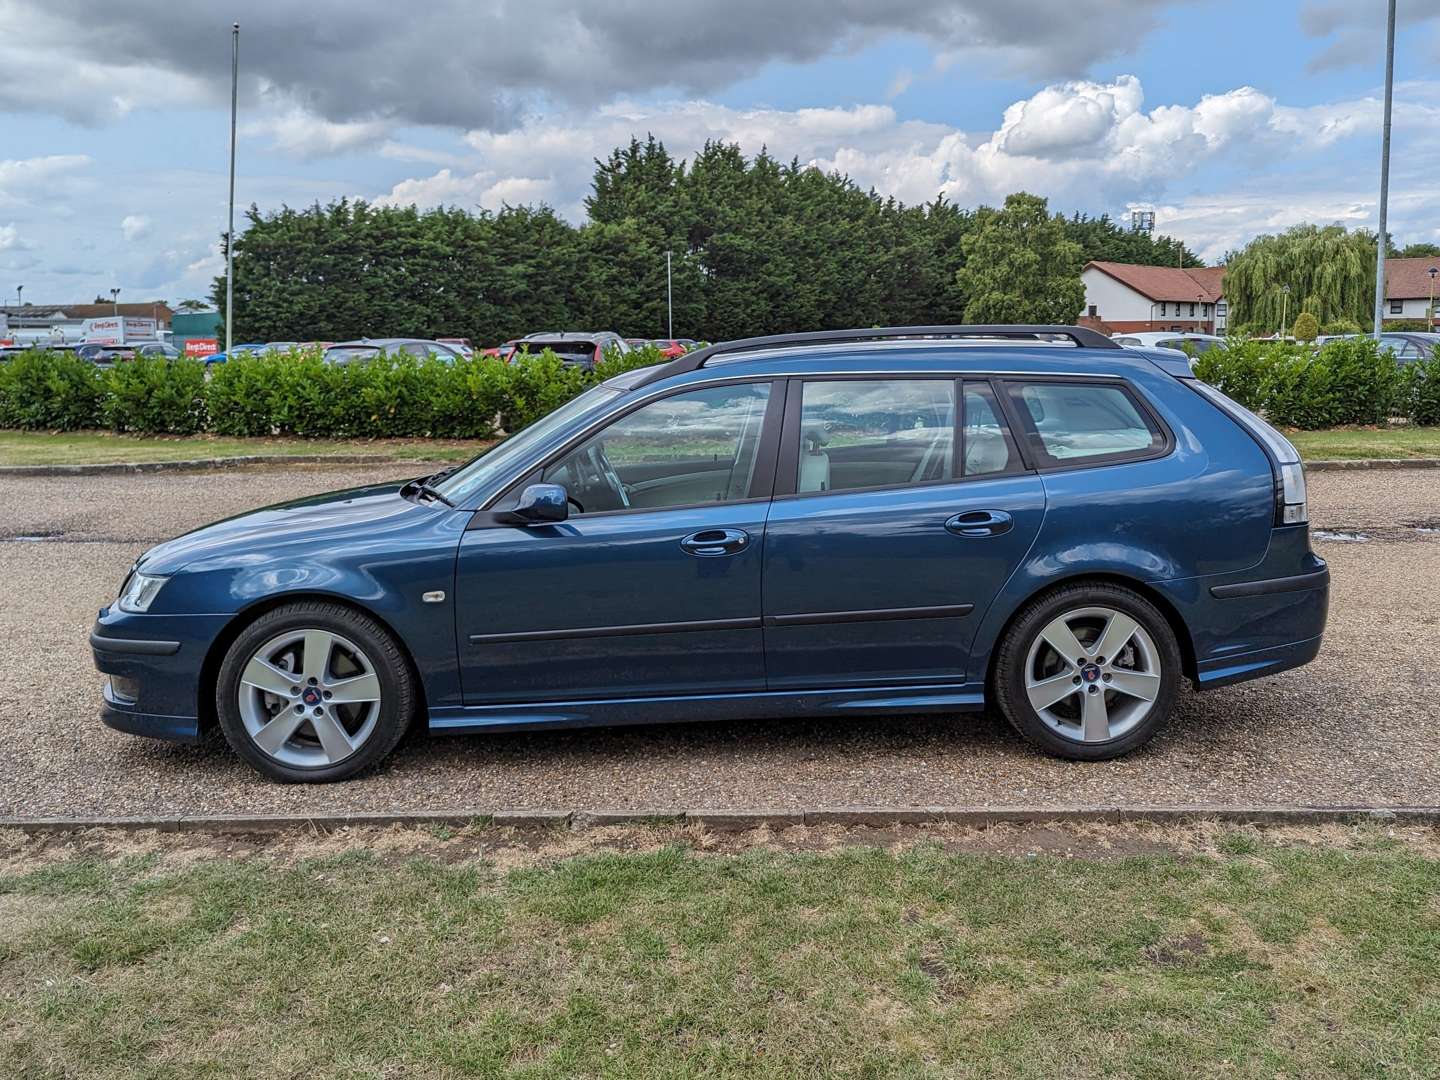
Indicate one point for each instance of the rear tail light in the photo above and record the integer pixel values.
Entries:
(1290, 508)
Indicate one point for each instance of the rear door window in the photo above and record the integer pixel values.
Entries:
(867, 433)
(1073, 423)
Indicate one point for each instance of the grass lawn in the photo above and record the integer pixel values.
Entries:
(96, 447)
(85, 447)
(661, 958)
(1340, 443)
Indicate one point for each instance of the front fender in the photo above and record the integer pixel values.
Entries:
(387, 577)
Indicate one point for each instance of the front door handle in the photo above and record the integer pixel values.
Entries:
(980, 523)
(710, 542)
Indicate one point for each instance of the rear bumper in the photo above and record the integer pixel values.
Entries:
(1318, 579)
(1255, 665)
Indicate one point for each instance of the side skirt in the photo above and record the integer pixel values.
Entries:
(616, 712)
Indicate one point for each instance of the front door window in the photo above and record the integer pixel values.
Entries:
(690, 449)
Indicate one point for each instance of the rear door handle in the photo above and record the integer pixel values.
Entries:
(980, 523)
(711, 542)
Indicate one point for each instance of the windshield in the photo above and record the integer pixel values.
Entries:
(496, 463)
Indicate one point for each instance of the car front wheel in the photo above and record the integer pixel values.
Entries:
(1089, 671)
(314, 692)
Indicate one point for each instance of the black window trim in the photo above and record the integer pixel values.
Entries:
(761, 483)
(1032, 448)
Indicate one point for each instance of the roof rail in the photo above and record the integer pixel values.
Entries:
(1082, 336)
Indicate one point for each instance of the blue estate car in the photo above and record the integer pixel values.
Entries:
(922, 519)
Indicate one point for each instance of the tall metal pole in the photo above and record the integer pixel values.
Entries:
(669, 300)
(230, 229)
(1385, 170)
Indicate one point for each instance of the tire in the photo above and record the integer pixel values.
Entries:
(1103, 706)
(314, 692)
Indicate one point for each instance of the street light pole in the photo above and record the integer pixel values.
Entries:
(230, 229)
(1432, 272)
(669, 299)
(1384, 169)
(115, 300)
(1284, 308)
(21, 288)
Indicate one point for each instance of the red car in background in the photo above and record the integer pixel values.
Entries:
(504, 352)
(670, 348)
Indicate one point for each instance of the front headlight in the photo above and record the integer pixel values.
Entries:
(140, 592)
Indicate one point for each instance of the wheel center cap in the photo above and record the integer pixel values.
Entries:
(311, 696)
(1090, 673)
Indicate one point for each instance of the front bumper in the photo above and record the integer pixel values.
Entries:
(155, 666)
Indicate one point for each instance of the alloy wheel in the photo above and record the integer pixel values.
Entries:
(1092, 674)
(309, 698)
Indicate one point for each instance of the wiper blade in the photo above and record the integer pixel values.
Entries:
(422, 487)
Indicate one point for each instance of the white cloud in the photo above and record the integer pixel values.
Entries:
(21, 180)
(134, 227)
(10, 238)
(300, 133)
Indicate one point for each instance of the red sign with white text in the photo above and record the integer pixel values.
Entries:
(202, 346)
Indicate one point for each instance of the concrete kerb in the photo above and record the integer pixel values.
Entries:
(743, 820)
(1364, 464)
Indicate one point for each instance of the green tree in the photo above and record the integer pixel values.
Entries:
(1105, 239)
(1307, 327)
(1419, 251)
(1020, 267)
(193, 305)
(1330, 273)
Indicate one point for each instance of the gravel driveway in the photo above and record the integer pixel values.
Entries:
(1358, 727)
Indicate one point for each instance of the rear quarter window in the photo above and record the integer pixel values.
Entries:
(1075, 423)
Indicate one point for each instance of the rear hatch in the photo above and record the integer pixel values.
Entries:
(571, 351)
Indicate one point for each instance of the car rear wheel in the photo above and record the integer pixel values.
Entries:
(314, 692)
(1089, 671)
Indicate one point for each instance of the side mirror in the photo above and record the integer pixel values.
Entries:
(542, 504)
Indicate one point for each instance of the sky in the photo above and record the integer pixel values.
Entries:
(1228, 119)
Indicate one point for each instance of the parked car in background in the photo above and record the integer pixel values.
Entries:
(580, 347)
(837, 524)
(250, 348)
(351, 352)
(459, 344)
(1183, 342)
(669, 348)
(503, 351)
(156, 348)
(1409, 346)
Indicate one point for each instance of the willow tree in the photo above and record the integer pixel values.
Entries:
(1329, 271)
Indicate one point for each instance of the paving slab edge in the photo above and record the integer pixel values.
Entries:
(863, 816)
(201, 464)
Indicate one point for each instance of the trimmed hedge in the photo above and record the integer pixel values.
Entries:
(1347, 381)
(296, 394)
(51, 390)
